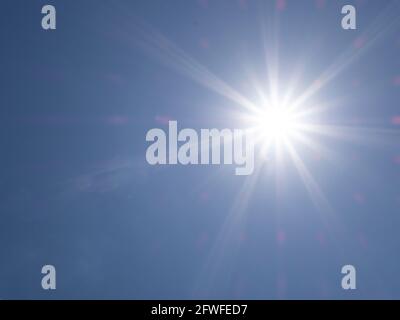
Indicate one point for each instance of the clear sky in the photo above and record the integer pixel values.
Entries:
(76, 190)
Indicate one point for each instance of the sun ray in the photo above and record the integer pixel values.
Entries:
(359, 134)
(318, 198)
(228, 237)
(385, 22)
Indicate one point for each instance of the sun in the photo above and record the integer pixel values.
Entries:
(277, 123)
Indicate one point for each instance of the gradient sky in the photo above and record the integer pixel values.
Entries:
(77, 192)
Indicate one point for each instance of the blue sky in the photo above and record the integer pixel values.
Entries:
(77, 192)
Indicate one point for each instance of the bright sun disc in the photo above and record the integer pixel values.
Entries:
(277, 123)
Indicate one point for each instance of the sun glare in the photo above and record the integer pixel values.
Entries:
(277, 123)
